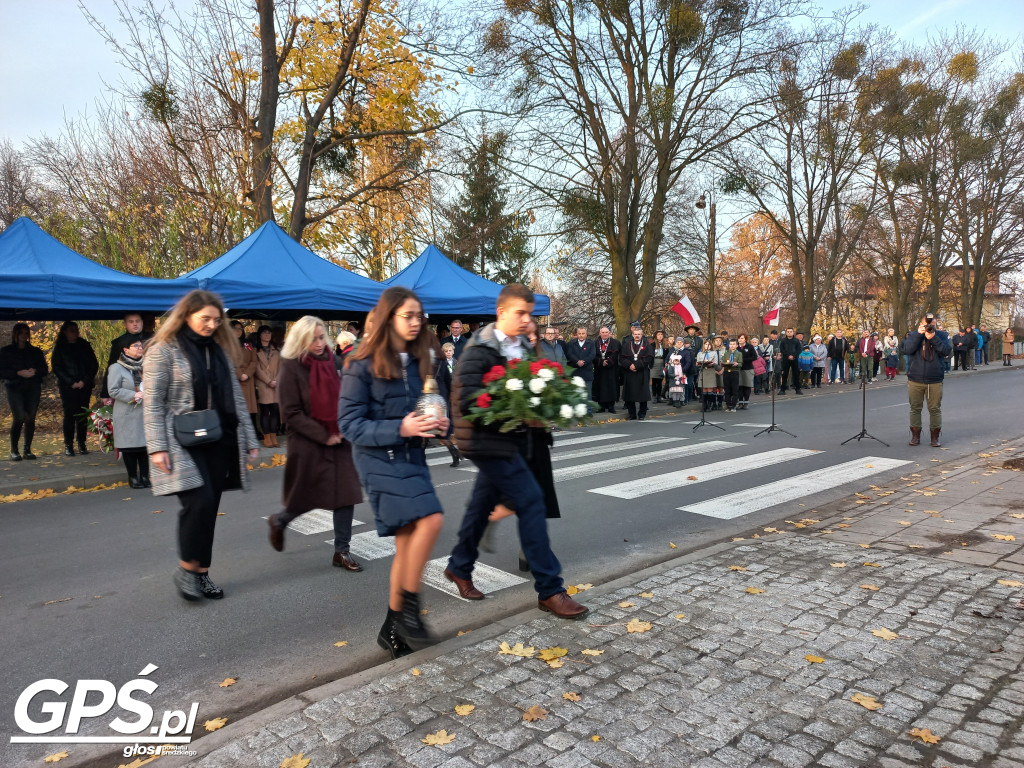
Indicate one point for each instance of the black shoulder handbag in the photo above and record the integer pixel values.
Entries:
(194, 428)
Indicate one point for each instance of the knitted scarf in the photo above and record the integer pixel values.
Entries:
(324, 388)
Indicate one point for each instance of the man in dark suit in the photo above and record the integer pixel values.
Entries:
(133, 330)
(457, 339)
(580, 354)
(605, 386)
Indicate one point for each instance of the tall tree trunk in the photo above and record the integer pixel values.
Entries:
(266, 118)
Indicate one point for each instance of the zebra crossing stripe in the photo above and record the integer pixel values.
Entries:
(580, 453)
(639, 459)
(313, 522)
(635, 489)
(485, 578)
(559, 442)
(741, 503)
(370, 546)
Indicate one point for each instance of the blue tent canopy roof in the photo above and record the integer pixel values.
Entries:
(269, 275)
(41, 278)
(445, 288)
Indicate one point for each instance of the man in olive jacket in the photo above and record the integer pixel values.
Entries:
(503, 473)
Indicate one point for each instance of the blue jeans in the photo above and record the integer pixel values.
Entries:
(977, 357)
(836, 367)
(509, 479)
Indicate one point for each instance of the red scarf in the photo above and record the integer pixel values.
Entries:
(324, 388)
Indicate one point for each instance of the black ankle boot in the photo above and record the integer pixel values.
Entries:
(409, 626)
(82, 449)
(456, 456)
(68, 450)
(388, 638)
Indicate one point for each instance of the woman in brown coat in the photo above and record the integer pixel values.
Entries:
(319, 473)
(268, 360)
(246, 370)
(1007, 346)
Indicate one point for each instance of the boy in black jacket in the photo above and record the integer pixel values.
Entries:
(503, 471)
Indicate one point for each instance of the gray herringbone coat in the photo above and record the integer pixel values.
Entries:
(168, 379)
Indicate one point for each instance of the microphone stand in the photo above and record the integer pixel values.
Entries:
(863, 417)
(773, 427)
(703, 413)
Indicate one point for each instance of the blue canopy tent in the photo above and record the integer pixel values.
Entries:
(43, 279)
(447, 289)
(269, 276)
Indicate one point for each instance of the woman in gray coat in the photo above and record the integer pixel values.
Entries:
(124, 383)
(190, 367)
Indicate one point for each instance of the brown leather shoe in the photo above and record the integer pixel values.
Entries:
(466, 588)
(935, 438)
(344, 560)
(276, 535)
(563, 606)
(915, 436)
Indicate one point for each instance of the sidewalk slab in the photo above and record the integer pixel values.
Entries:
(721, 677)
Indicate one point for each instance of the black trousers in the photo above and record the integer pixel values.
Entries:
(270, 417)
(198, 515)
(342, 524)
(136, 461)
(731, 385)
(631, 408)
(24, 404)
(816, 374)
(74, 401)
(960, 360)
(790, 368)
(656, 388)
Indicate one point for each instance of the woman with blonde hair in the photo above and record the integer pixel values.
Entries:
(197, 428)
(382, 382)
(319, 473)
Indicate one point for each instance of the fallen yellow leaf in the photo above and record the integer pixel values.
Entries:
(534, 713)
(636, 625)
(228, 681)
(56, 757)
(872, 587)
(672, 546)
(755, 590)
(591, 652)
(868, 702)
(814, 659)
(626, 604)
(885, 634)
(555, 663)
(838, 565)
(772, 530)
(341, 644)
(680, 616)
(584, 587)
(552, 653)
(873, 565)
(1010, 583)
(464, 709)
(737, 568)
(924, 734)
(295, 761)
(904, 522)
(1002, 537)
(416, 673)
(439, 738)
(216, 724)
(595, 738)
(570, 591)
(691, 477)
(516, 650)
(1018, 515)
(570, 696)
(646, 594)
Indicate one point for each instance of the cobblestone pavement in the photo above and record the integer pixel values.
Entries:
(722, 677)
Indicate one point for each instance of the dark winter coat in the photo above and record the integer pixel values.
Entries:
(838, 348)
(606, 377)
(13, 359)
(392, 468)
(116, 348)
(574, 354)
(474, 439)
(925, 356)
(636, 385)
(316, 475)
(75, 362)
(788, 346)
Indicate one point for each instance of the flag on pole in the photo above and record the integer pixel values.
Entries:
(772, 316)
(685, 309)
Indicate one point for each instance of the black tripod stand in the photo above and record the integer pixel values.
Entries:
(864, 417)
(773, 427)
(703, 412)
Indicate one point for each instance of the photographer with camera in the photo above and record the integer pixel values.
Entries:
(925, 350)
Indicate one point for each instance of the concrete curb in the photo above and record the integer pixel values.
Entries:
(295, 704)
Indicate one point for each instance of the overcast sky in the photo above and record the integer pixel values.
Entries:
(55, 64)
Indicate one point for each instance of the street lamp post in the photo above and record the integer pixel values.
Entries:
(701, 203)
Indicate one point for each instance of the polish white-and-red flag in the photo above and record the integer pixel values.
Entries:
(685, 309)
(772, 316)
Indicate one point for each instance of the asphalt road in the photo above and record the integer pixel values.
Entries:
(86, 580)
